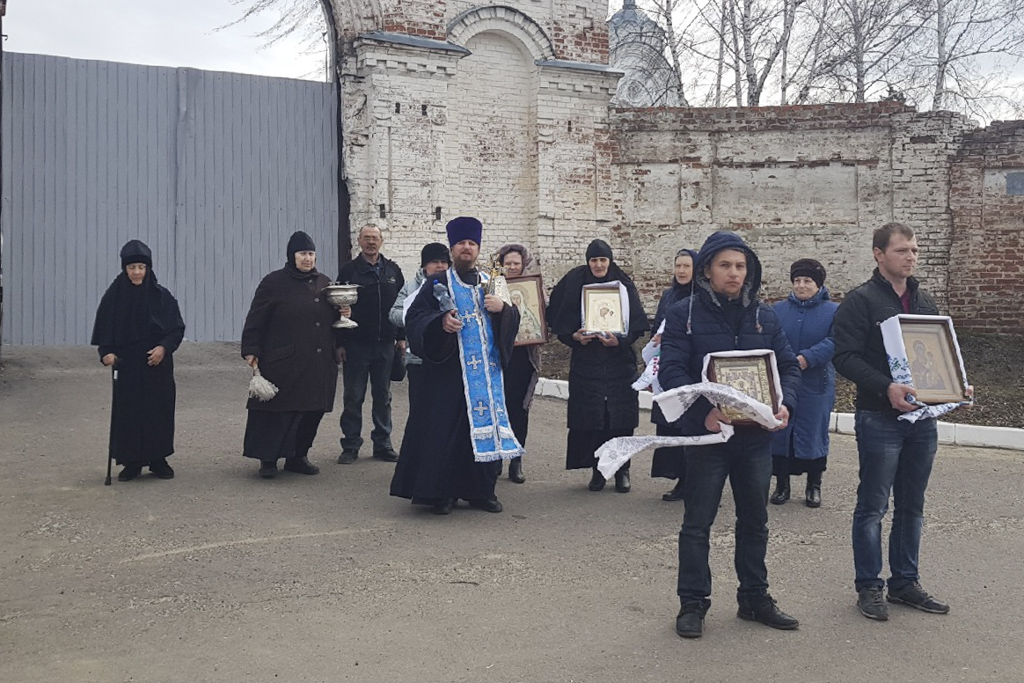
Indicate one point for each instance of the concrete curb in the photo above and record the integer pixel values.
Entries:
(975, 436)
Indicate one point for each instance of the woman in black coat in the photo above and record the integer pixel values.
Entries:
(138, 328)
(288, 335)
(524, 366)
(669, 461)
(602, 403)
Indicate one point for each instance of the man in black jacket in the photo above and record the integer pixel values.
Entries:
(724, 313)
(895, 455)
(368, 350)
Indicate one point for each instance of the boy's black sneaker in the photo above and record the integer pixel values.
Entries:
(913, 595)
(871, 605)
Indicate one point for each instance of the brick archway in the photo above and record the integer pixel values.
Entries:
(502, 19)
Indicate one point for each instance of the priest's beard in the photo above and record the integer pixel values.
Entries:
(465, 270)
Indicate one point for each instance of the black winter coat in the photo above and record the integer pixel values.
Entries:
(669, 296)
(860, 354)
(288, 329)
(600, 377)
(377, 294)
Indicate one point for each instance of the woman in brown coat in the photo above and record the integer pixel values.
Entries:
(288, 335)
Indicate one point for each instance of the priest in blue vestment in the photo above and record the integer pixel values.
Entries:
(458, 429)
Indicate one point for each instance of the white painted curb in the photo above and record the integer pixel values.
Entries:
(975, 436)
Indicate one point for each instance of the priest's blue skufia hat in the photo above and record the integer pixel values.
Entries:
(464, 228)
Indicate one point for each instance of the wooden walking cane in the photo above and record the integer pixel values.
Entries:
(113, 404)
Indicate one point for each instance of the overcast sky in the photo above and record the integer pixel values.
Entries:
(158, 32)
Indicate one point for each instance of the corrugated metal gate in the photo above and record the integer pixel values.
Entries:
(213, 170)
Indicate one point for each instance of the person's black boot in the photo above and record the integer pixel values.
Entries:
(597, 481)
(515, 471)
(781, 493)
(763, 610)
(300, 466)
(622, 481)
(129, 472)
(268, 469)
(487, 505)
(690, 620)
(445, 507)
(812, 496)
(676, 493)
(161, 469)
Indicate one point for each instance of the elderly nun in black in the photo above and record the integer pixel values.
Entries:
(288, 336)
(138, 328)
(602, 402)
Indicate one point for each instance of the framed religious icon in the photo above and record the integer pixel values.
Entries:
(602, 309)
(931, 354)
(754, 373)
(527, 294)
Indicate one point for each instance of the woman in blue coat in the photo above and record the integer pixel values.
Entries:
(806, 318)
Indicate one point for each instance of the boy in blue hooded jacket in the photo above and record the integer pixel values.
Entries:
(724, 314)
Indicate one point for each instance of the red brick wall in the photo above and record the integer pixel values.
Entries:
(420, 18)
(986, 279)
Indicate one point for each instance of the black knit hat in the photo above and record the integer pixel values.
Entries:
(807, 267)
(435, 251)
(299, 241)
(136, 251)
(599, 249)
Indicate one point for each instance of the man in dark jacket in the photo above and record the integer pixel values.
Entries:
(895, 455)
(724, 314)
(369, 350)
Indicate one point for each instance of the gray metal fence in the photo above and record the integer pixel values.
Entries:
(212, 170)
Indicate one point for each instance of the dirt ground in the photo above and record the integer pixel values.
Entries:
(221, 576)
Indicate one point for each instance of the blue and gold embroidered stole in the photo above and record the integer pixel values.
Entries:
(490, 431)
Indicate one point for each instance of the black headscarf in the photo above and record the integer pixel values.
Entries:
(299, 241)
(132, 313)
(679, 291)
(564, 309)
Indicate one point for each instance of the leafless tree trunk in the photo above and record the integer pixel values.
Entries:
(976, 43)
(941, 54)
(720, 62)
(667, 9)
(735, 29)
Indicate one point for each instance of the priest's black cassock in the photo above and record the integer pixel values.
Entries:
(436, 461)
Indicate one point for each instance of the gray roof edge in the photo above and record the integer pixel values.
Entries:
(413, 41)
(579, 66)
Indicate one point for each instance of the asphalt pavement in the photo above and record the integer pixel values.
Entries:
(218, 575)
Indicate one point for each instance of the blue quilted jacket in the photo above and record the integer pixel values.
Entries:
(808, 327)
(698, 325)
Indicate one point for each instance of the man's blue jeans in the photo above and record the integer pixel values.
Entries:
(896, 457)
(367, 363)
(746, 461)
